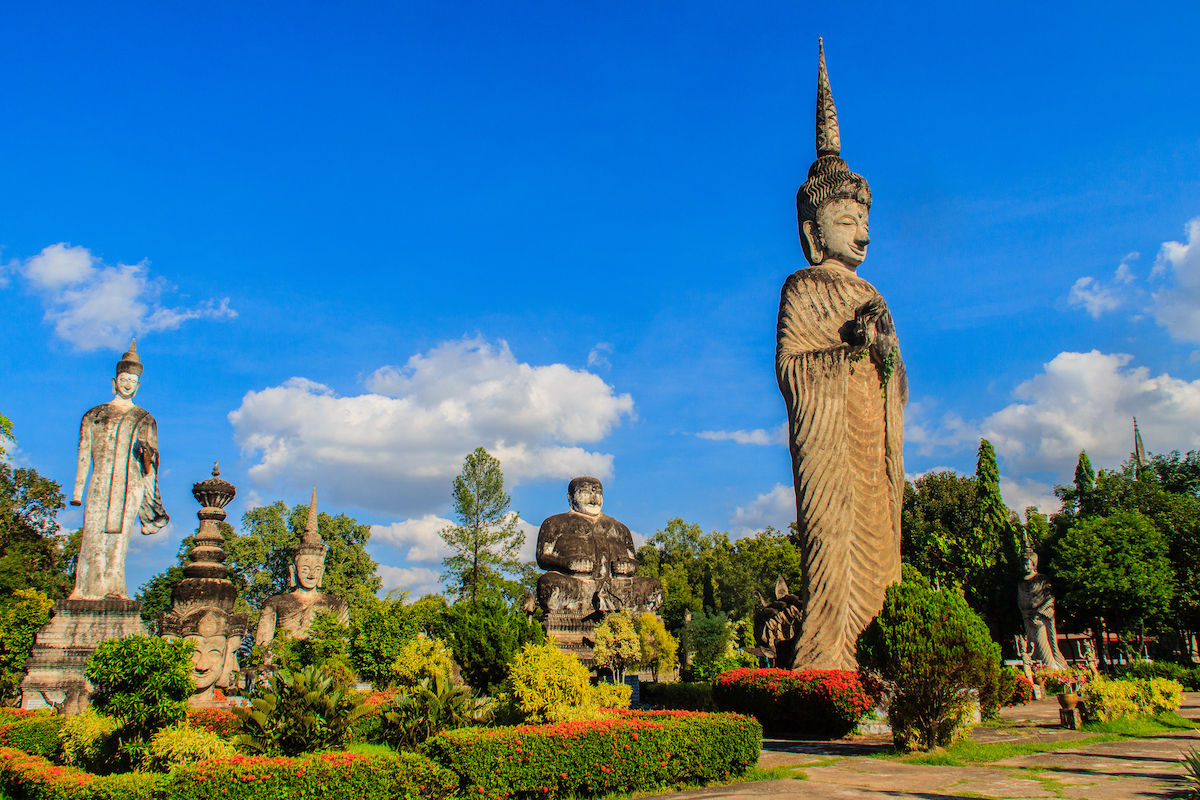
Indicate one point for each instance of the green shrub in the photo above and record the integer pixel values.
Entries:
(612, 695)
(1188, 678)
(142, 681)
(326, 644)
(710, 671)
(430, 707)
(298, 712)
(928, 649)
(822, 702)
(679, 696)
(486, 636)
(659, 648)
(708, 639)
(182, 744)
(617, 644)
(422, 657)
(635, 752)
(89, 741)
(545, 684)
(21, 616)
(1191, 763)
(1131, 697)
(26, 777)
(329, 776)
(216, 720)
(36, 734)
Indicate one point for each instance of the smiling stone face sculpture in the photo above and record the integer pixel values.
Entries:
(837, 362)
(590, 560)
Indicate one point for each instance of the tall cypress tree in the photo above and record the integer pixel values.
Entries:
(998, 548)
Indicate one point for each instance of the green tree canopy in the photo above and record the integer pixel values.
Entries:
(487, 541)
(486, 635)
(32, 549)
(616, 644)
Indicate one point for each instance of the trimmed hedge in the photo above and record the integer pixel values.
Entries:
(36, 734)
(816, 701)
(635, 751)
(331, 776)
(679, 696)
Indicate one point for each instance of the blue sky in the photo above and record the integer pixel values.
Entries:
(357, 240)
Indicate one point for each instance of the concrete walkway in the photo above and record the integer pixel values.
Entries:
(1129, 769)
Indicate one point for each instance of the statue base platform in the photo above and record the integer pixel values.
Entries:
(572, 634)
(54, 672)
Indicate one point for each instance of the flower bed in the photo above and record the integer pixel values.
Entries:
(35, 733)
(332, 776)
(214, 720)
(826, 702)
(634, 751)
(1022, 692)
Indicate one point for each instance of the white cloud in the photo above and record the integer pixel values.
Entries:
(598, 357)
(948, 432)
(398, 448)
(1021, 493)
(1177, 307)
(1086, 401)
(95, 305)
(1098, 297)
(776, 508)
(420, 536)
(418, 581)
(760, 436)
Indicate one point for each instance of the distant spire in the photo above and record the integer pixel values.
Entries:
(1139, 449)
(829, 140)
(216, 469)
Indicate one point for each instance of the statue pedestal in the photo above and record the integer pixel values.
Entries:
(54, 671)
(572, 634)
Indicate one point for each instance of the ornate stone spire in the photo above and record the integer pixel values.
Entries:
(131, 361)
(829, 141)
(310, 540)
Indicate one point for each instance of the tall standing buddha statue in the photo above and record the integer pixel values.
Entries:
(837, 361)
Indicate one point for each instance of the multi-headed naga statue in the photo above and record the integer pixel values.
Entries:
(838, 363)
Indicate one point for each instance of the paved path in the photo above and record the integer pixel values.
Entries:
(1129, 769)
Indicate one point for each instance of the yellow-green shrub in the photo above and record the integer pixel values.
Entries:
(1108, 700)
(544, 684)
(182, 744)
(423, 657)
(86, 740)
(612, 695)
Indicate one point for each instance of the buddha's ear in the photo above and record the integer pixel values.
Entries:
(810, 240)
(292, 575)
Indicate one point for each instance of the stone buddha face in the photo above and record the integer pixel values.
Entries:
(587, 499)
(310, 569)
(1029, 562)
(840, 233)
(125, 385)
(208, 658)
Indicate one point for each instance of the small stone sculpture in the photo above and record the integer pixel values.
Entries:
(202, 603)
(591, 560)
(295, 612)
(837, 361)
(777, 624)
(1036, 600)
(118, 441)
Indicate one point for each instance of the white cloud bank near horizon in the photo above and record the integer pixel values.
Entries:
(397, 448)
(95, 305)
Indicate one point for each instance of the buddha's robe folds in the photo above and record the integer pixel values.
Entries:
(846, 435)
(120, 446)
(288, 612)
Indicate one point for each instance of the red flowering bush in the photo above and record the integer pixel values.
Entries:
(634, 751)
(1022, 693)
(331, 776)
(35, 733)
(816, 701)
(214, 720)
(26, 777)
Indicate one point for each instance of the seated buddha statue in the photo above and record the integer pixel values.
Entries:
(294, 612)
(590, 560)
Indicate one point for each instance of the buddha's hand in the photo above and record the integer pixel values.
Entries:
(866, 317)
(873, 323)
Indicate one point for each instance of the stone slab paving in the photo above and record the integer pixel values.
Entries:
(1128, 769)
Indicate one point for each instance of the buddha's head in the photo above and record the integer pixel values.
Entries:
(1029, 564)
(833, 205)
(308, 563)
(586, 495)
(211, 631)
(129, 374)
(309, 569)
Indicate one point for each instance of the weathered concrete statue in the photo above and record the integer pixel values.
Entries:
(118, 441)
(591, 559)
(777, 624)
(837, 360)
(1036, 600)
(294, 612)
(202, 603)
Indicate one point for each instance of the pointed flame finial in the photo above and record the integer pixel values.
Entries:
(310, 527)
(216, 469)
(829, 140)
